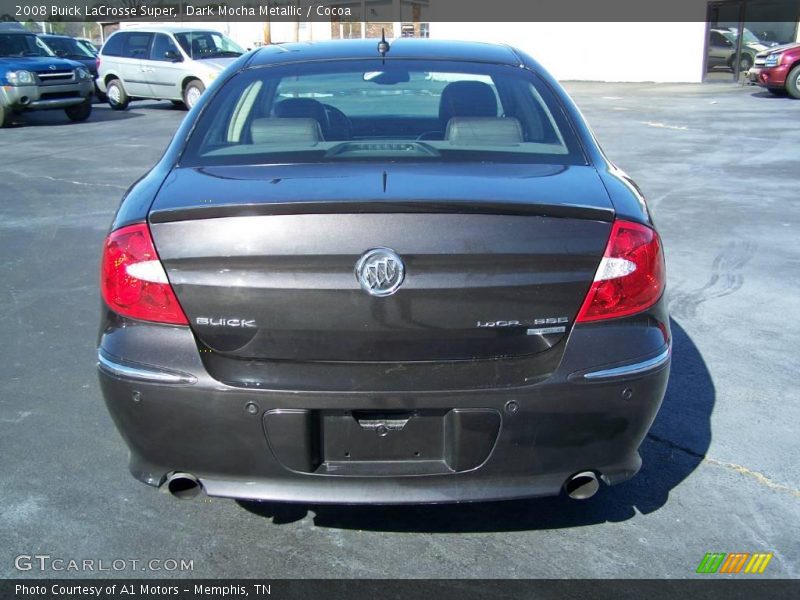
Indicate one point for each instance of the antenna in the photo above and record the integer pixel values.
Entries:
(383, 45)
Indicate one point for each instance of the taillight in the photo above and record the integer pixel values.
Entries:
(630, 277)
(133, 281)
(97, 63)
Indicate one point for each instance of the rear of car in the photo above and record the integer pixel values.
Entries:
(32, 77)
(370, 279)
(778, 70)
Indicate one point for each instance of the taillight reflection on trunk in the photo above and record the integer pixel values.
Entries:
(133, 281)
(630, 277)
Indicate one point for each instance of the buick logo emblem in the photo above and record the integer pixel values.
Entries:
(380, 272)
(52, 67)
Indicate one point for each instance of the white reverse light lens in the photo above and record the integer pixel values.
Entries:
(149, 270)
(614, 268)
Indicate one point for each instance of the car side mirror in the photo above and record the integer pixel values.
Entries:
(173, 56)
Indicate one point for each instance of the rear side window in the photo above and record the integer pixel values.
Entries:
(397, 110)
(137, 45)
(114, 45)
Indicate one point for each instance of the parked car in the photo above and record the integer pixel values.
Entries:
(778, 70)
(163, 63)
(12, 26)
(90, 45)
(65, 46)
(722, 48)
(333, 288)
(33, 78)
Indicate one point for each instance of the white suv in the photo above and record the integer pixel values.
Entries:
(164, 63)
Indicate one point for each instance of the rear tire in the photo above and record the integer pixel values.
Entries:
(5, 116)
(793, 82)
(192, 92)
(118, 98)
(80, 112)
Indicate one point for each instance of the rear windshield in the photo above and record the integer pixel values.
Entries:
(365, 110)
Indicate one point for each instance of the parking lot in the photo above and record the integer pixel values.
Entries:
(720, 165)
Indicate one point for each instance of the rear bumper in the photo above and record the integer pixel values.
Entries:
(768, 76)
(433, 490)
(175, 417)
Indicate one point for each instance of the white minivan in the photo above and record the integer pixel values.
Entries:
(163, 63)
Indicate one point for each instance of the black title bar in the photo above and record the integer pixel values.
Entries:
(702, 587)
(387, 10)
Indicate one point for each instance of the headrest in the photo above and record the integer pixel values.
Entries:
(285, 131)
(484, 131)
(467, 99)
(303, 108)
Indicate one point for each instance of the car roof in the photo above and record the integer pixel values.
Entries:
(12, 27)
(166, 29)
(402, 48)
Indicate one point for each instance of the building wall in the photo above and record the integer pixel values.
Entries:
(660, 52)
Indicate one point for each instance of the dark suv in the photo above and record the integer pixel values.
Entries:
(65, 46)
(33, 78)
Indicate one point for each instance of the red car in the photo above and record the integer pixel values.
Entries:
(778, 70)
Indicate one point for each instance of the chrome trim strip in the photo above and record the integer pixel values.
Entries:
(142, 374)
(632, 369)
(546, 330)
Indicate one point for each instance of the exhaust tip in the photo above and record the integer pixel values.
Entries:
(582, 486)
(183, 486)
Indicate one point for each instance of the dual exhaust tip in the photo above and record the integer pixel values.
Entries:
(582, 486)
(185, 486)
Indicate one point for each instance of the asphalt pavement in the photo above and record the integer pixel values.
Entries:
(720, 165)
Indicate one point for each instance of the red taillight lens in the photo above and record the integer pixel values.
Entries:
(97, 63)
(630, 277)
(133, 281)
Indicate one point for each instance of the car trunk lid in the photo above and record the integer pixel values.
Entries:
(497, 259)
